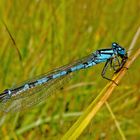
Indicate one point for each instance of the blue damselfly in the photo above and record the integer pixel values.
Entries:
(28, 93)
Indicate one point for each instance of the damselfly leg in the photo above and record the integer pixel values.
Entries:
(109, 61)
(121, 65)
(116, 64)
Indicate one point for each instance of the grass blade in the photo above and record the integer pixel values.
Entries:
(115, 120)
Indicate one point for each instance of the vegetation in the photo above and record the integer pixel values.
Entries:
(39, 35)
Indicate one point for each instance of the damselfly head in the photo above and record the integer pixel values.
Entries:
(120, 50)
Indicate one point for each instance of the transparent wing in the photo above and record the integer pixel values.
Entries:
(39, 93)
(35, 95)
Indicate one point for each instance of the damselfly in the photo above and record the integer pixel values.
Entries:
(36, 90)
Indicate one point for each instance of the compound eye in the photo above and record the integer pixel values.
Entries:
(114, 44)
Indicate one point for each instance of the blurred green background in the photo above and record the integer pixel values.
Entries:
(51, 33)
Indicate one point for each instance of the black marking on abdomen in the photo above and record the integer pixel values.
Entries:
(49, 77)
(32, 84)
(17, 89)
(69, 71)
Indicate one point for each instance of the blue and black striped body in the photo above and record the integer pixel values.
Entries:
(103, 55)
